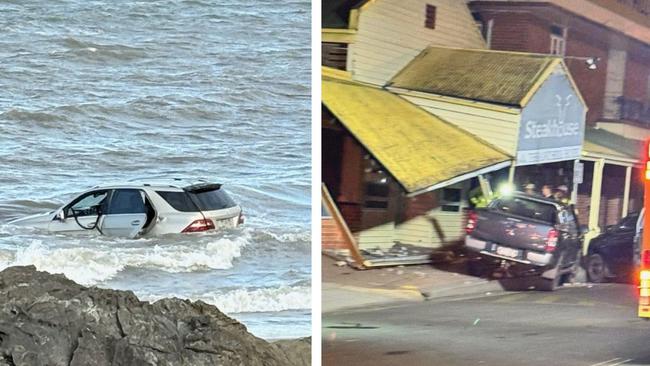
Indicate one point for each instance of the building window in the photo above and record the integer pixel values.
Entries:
(430, 17)
(377, 186)
(334, 55)
(558, 40)
(450, 200)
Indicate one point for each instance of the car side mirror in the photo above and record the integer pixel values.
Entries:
(60, 215)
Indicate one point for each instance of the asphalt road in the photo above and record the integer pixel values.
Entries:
(579, 325)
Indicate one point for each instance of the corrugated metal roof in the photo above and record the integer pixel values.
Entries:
(600, 143)
(419, 149)
(481, 75)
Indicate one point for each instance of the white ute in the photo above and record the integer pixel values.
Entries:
(143, 209)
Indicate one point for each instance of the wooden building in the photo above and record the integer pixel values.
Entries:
(373, 40)
(397, 173)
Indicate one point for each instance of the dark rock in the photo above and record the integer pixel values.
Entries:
(49, 320)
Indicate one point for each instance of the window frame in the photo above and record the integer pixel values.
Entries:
(558, 41)
(81, 197)
(430, 11)
(143, 195)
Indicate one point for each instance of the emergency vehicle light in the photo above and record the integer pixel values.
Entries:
(644, 294)
(644, 275)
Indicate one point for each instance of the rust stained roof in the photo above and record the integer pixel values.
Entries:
(483, 75)
(419, 149)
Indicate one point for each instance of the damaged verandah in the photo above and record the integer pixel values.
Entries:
(397, 174)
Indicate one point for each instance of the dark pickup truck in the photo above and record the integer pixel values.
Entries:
(531, 238)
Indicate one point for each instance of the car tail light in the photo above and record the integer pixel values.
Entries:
(472, 219)
(551, 240)
(199, 225)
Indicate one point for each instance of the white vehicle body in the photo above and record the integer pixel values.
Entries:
(143, 209)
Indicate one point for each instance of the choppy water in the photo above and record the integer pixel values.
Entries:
(94, 91)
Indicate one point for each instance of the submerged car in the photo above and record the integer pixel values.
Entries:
(143, 209)
(611, 254)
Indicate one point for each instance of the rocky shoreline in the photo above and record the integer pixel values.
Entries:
(47, 319)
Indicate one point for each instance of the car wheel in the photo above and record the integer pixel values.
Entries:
(596, 268)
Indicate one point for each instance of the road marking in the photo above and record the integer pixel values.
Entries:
(613, 362)
(549, 299)
(586, 303)
(622, 362)
(511, 298)
(606, 362)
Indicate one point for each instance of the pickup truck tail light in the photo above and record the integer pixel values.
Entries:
(472, 219)
(199, 225)
(551, 240)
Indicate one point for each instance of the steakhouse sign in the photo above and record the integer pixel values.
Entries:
(552, 124)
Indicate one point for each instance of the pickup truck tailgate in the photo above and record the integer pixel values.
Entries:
(514, 231)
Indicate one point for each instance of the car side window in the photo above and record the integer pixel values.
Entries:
(127, 201)
(89, 204)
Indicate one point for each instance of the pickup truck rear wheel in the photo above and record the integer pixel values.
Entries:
(596, 268)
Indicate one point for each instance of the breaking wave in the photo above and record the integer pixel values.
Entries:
(93, 265)
(246, 300)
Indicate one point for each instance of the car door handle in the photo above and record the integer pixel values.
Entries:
(135, 222)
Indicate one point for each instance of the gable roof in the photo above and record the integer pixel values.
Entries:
(506, 78)
(336, 13)
(421, 151)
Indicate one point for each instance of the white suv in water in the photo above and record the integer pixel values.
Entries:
(143, 209)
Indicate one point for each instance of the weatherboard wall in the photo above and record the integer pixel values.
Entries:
(555, 105)
(494, 126)
(392, 32)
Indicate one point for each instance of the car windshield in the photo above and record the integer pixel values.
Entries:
(88, 204)
(526, 208)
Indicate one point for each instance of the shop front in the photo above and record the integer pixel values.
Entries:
(525, 104)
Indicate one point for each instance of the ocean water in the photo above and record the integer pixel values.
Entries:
(96, 91)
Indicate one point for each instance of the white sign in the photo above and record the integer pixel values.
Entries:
(552, 124)
(578, 172)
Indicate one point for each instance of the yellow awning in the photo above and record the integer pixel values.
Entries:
(420, 150)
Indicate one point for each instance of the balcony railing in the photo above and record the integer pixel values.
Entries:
(634, 110)
(641, 6)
